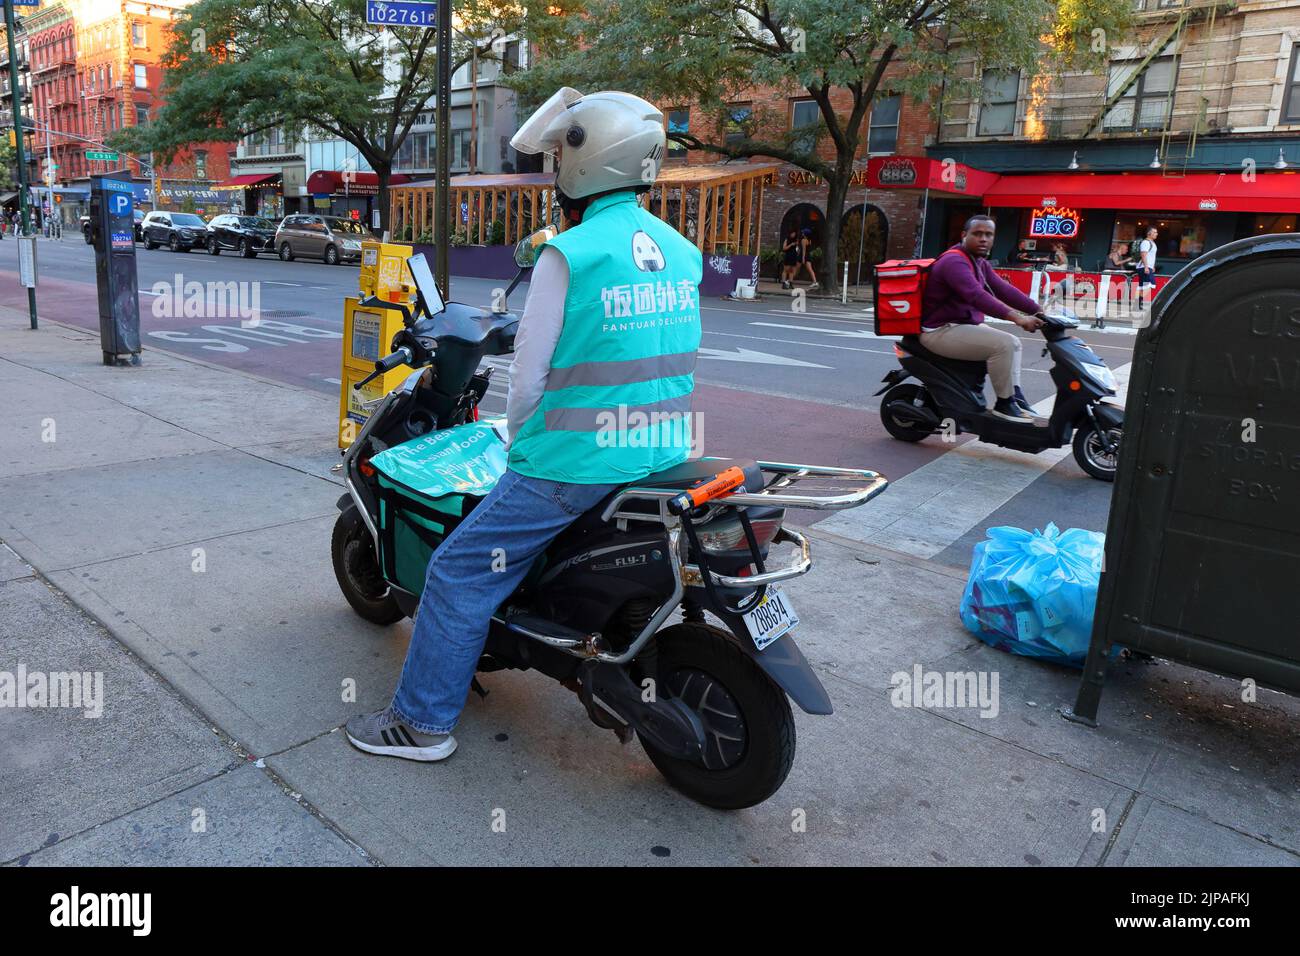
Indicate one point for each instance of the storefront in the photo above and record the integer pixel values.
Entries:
(202, 200)
(253, 194)
(348, 193)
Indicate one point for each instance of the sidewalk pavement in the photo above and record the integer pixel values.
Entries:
(185, 510)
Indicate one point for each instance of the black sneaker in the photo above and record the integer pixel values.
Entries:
(383, 732)
(1008, 408)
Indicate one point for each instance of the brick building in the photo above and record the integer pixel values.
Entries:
(878, 223)
(1191, 127)
(95, 69)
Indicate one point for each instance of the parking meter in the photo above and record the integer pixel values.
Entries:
(112, 233)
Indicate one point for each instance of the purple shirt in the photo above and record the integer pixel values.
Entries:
(956, 292)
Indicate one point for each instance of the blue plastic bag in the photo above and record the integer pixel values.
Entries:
(1033, 592)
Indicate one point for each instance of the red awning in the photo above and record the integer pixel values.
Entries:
(251, 179)
(922, 172)
(1274, 192)
(328, 182)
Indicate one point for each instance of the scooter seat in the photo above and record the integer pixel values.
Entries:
(697, 470)
(965, 368)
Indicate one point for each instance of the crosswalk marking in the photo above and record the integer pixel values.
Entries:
(925, 511)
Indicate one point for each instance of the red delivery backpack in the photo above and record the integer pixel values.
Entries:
(900, 288)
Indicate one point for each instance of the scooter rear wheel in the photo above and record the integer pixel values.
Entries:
(357, 570)
(912, 394)
(748, 725)
(1091, 454)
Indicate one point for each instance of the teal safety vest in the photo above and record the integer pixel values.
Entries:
(618, 396)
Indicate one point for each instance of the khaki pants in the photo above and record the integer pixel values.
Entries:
(973, 343)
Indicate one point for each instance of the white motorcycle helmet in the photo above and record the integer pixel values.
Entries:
(602, 141)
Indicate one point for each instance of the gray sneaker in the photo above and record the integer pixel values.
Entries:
(383, 732)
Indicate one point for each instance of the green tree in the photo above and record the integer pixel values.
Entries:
(843, 54)
(8, 162)
(236, 67)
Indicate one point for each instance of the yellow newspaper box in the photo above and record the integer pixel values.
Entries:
(367, 335)
(384, 272)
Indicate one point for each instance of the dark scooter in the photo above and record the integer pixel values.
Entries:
(708, 702)
(950, 396)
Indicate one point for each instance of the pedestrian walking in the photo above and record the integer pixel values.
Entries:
(1145, 249)
(790, 250)
(805, 259)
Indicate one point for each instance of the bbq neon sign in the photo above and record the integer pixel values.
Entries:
(1059, 221)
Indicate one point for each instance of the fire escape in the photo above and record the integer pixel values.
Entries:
(1173, 37)
(61, 102)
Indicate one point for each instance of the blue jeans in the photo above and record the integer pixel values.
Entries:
(476, 568)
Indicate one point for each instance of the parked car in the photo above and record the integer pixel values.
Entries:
(178, 231)
(248, 235)
(139, 218)
(330, 238)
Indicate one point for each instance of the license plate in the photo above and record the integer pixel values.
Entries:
(772, 618)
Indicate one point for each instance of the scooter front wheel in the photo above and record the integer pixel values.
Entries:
(1098, 452)
(356, 567)
(911, 394)
(749, 729)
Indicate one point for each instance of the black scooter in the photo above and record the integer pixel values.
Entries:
(950, 397)
(709, 703)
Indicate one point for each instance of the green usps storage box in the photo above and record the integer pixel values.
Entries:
(426, 487)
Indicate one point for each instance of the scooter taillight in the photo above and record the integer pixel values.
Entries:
(719, 537)
(366, 468)
(898, 352)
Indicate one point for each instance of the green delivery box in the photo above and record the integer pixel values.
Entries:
(426, 487)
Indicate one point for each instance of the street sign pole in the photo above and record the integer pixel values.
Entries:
(442, 191)
(16, 99)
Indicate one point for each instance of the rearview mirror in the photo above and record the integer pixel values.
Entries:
(526, 250)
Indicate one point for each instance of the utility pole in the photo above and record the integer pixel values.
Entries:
(16, 99)
(442, 182)
(473, 107)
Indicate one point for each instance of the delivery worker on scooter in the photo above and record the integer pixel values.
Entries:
(961, 291)
(600, 396)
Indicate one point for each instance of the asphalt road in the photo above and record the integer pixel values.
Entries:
(773, 383)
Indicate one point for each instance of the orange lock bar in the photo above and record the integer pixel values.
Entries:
(716, 487)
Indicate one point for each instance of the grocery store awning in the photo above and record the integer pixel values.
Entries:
(1270, 192)
(249, 179)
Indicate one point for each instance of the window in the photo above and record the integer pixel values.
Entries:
(141, 77)
(141, 116)
(679, 121)
(459, 147)
(738, 124)
(998, 103)
(1291, 92)
(137, 34)
(882, 137)
(804, 117)
(200, 164)
(1145, 104)
(1179, 235)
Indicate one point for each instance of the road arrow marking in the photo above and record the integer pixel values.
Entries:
(848, 333)
(759, 358)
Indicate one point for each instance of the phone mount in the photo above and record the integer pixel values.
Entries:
(428, 297)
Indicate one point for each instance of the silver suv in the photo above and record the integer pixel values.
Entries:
(330, 238)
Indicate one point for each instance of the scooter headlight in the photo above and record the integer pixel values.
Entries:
(1101, 375)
